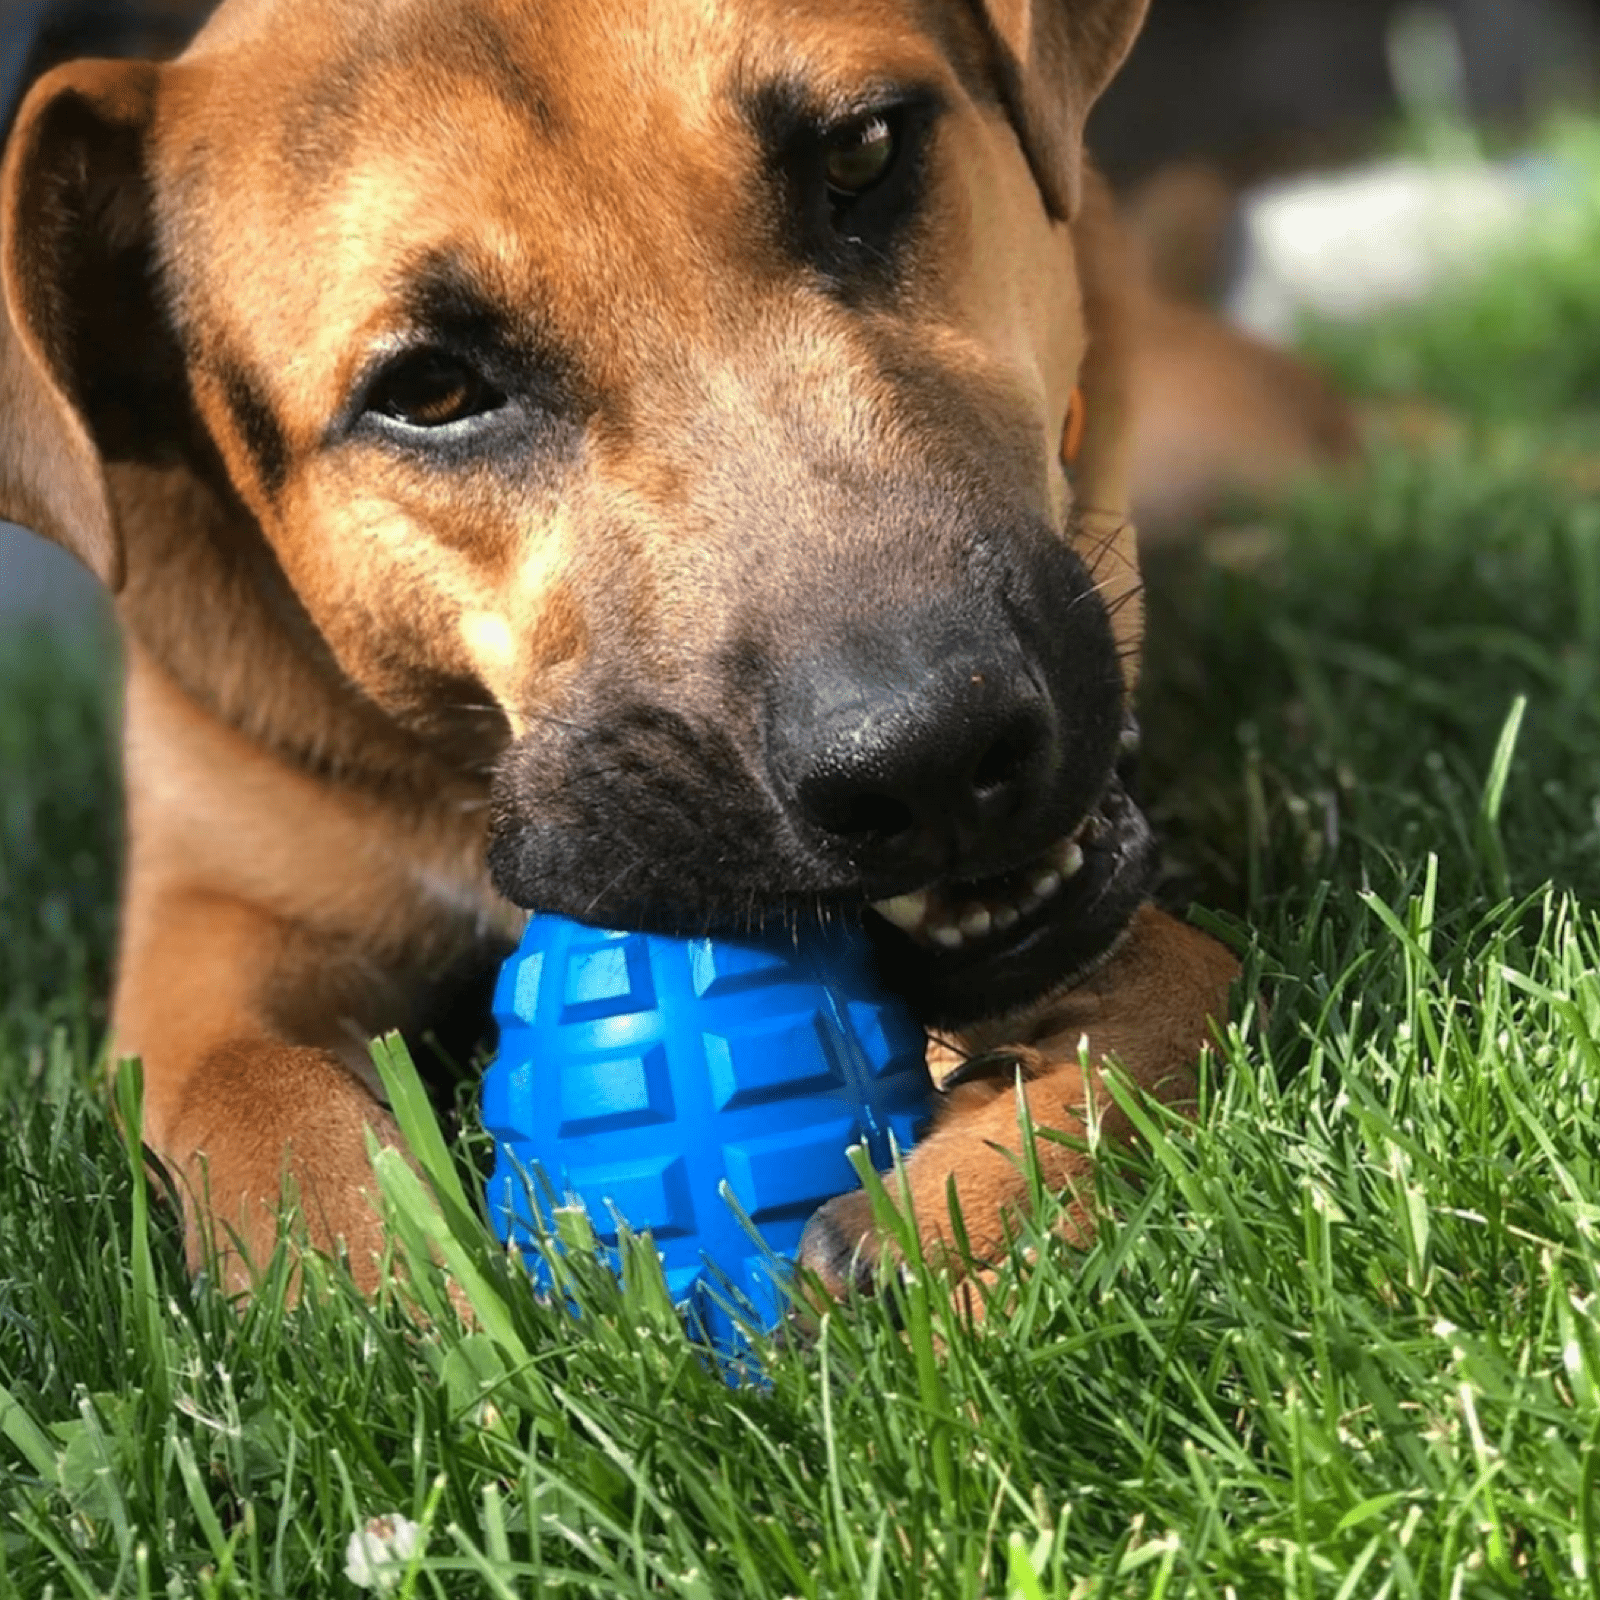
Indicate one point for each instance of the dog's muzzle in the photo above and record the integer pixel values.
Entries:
(949, 760)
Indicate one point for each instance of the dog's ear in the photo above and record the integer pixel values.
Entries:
(1053, 60)
(76, 303)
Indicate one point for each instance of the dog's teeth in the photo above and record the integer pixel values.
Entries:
(1045, 882)
(906, 911)
(929, 918)
(1068, 857)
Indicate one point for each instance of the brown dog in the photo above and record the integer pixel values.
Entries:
(603, 457)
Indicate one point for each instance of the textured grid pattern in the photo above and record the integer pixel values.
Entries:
(643, 1075)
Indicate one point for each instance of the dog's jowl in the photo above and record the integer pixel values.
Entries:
(600, 456)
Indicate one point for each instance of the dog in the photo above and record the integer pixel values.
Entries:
(608, 458)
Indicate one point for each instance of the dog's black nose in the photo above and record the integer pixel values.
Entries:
(918, 749)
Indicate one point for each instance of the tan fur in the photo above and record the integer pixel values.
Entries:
(327, 652)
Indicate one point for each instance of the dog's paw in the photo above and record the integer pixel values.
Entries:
(266, 1124)
(843, 1245)
(1151, 1007)
(972, 1158)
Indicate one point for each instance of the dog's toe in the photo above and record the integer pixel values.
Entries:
(840, 1245)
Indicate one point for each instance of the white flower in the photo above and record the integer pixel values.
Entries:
(377, 1554)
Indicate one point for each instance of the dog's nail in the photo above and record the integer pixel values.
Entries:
(991, 1066)
(839, 1245)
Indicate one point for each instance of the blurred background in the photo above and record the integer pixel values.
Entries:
(1220, 135)
(1263, 86)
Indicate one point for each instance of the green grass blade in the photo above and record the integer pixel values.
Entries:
(147, 1313)
(29, 1438)
(1491, 841)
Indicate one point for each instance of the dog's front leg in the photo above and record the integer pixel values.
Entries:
(231, 1102)
(273, 921)
(1149, 1009)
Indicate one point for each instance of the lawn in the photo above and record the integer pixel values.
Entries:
(1336, 1339)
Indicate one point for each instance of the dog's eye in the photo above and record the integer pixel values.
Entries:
(431, 389)
(859, 157)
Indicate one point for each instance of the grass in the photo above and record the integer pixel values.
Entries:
(1338, 1339)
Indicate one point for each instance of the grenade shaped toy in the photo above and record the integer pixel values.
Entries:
(639, 1073)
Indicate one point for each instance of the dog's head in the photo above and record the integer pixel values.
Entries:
(663, 401)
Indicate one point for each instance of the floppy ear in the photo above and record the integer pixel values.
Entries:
(78, 366)
(1055, 57)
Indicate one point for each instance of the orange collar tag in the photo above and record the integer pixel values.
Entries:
(1072, 437)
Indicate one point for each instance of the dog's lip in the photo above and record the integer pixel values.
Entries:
(1052, 942)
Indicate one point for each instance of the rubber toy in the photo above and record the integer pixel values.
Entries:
(640, 1074)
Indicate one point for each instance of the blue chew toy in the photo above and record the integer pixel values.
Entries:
(641, 1072)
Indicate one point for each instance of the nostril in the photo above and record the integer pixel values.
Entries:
(851, 813)
(1003, 764)
(1010, 764)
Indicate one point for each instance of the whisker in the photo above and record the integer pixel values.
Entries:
(627, 867)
